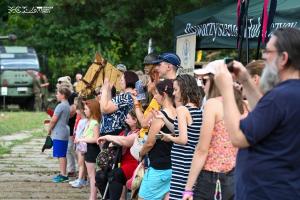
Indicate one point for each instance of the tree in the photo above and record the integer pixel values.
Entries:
(75, 29)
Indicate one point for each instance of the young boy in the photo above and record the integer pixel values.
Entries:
(60, 131)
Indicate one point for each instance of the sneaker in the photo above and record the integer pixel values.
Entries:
(79, 184)
(60, 179)
(87, 182)
(56, 177)
(74, 181)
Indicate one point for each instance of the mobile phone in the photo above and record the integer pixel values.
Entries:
(158, 136)
(229, 63)
(141, 95)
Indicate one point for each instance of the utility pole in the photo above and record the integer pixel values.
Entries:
(150, 48)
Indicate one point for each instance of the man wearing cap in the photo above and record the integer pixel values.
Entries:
(147, 115)
(167, 65)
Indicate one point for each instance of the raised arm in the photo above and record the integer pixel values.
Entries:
(106, 104)
(232, 115)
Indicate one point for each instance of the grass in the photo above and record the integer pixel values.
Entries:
(12, 122)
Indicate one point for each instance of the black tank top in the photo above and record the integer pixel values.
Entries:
(160, 154)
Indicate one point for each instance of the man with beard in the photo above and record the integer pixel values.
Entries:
(268, 162)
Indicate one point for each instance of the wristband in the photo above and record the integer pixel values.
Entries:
(187, 192)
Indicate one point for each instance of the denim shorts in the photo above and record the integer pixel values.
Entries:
(60, 148)
(155, 184)
(206, 185)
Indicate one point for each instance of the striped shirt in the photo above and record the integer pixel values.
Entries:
(182, 155)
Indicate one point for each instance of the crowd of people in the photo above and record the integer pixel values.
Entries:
(219, 134)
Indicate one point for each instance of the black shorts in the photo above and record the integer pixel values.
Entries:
(206, 185)
(92, 153)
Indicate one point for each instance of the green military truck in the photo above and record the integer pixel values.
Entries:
(19, 77)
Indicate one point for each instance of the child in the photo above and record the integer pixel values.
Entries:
(128, 162)
(80, 147)
(90, 136)
(60, 131)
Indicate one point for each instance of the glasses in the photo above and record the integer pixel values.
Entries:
(267, 51)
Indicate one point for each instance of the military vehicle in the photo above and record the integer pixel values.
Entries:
(19, 81)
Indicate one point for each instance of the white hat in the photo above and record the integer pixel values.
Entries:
(64, 79)
(210, 68)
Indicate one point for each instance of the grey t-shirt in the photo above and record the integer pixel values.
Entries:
(61, 130)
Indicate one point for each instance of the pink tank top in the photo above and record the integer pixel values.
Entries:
(221, 153)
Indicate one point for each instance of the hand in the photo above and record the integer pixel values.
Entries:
(223, 78)
(240, 72)
(134, 93)
(49, 131)
(76, 140)
(157, 114)
(101, 140)
(166, 137)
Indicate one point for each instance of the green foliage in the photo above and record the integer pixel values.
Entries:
(75, 29)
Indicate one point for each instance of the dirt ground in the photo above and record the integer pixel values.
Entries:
(26, 173)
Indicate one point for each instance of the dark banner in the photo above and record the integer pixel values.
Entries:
(215, 26)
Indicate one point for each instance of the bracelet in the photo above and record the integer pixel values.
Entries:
(188, 192)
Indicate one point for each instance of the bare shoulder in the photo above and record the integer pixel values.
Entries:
(213, 102)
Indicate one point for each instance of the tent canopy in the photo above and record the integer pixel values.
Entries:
(215, 25)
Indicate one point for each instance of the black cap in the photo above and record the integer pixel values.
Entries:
(150, 58)
(48, 143)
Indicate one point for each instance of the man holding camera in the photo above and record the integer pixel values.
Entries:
(268, 162)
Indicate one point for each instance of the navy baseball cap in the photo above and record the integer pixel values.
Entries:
(171, 58)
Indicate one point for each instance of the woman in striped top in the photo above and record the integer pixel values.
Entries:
(186, 128)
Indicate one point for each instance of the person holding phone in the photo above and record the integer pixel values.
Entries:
(156, 181)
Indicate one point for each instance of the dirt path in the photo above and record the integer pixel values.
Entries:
(26, 173)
